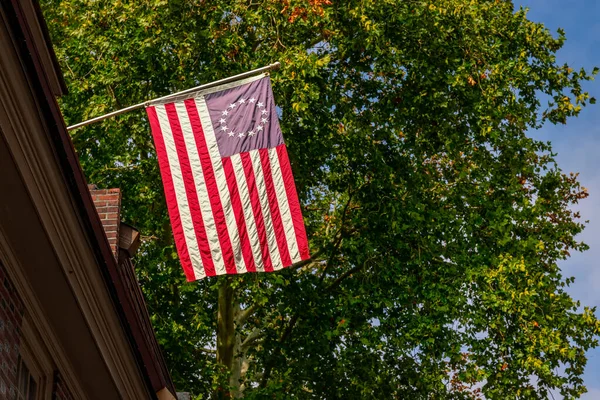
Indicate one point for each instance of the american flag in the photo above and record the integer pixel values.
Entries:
(228, 182)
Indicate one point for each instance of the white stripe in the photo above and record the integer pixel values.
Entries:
(284, 207)
(217, 163)
(266, 210)
(179, 187)
(236, 162)
(201, 190)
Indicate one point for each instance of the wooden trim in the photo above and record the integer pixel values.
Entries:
(29, 139)
(142, 328)
(38, 31)
(129, 239)
(164, 394)
(37, 358)
(36, 317)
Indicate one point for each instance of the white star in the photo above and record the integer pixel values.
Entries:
(225, 112)
(232, 105)
(259, 128)
(241, 134)
(264, 111)
(264, 120)
(242, 101)
(251, 133)
(224, 128)
(260, 105)
(222, 120)
(232, 133)
(252, 100)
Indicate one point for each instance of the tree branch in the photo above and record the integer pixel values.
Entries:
(288, 330)
(340, 232)
(251, 338)
(306, 262)
(346, 274)
(284, 336)
(244, 315)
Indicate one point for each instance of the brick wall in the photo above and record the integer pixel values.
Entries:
(11, 317)
(108, 205)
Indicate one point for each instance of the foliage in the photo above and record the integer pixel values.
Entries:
(435, 222)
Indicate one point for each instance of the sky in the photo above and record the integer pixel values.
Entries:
(578, 146)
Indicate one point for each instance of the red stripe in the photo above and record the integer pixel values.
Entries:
(256, 210)
(190, 190)
(211, 186)
(292, 196)
(274, 207)
(172, 207)
(238, 211)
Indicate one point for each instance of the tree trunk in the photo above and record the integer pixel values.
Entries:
(229, 352)
(225, 327)
(236, 367)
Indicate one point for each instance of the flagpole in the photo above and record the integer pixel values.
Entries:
(270, 67)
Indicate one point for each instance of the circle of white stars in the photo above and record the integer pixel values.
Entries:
(251, 102)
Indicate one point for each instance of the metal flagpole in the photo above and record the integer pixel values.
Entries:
(234, 78)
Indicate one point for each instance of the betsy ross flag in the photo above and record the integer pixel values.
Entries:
(228, 182)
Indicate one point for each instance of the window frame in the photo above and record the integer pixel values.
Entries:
(34, 355)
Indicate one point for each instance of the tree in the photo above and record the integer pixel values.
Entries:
(435, 222)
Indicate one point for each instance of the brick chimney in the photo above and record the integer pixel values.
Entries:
(108, 206)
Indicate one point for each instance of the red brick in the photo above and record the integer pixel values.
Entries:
(108, 202)
(108, 197)
(108, 209)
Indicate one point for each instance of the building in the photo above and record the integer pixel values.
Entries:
(73, 322)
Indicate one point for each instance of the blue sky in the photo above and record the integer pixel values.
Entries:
(578, 146)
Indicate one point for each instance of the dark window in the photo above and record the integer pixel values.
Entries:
(27, 387)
